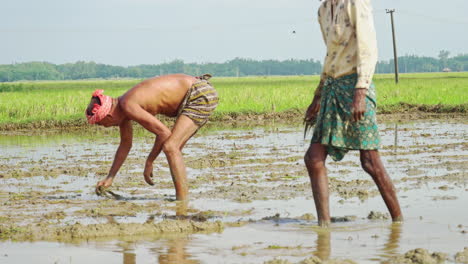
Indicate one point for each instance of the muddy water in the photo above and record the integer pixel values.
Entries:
(250, 198)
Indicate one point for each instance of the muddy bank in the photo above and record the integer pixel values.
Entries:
(47, 232)
(400, 111)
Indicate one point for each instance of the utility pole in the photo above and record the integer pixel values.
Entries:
(391, 11)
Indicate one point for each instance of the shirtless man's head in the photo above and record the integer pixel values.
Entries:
(107, 118)
(190, 99)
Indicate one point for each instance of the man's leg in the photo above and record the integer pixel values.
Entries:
(372, 164)
(315, 162)
(183, 129)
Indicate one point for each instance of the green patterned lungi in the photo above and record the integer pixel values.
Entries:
(334, 126)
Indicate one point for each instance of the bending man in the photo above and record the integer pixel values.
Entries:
(190, 99)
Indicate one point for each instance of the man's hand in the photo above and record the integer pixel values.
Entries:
(359, 104)
(104, 184)
(311, 114)
(313, 109)
(148, 173)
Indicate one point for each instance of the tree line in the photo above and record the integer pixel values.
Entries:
(234, 68)
(411, 63)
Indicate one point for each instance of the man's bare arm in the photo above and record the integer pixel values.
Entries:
(126, 137)
(151, 123)
(136, 113)
(157, 148)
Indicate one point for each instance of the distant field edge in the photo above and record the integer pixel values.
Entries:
(395, 111)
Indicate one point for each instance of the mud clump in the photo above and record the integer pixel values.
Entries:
(311, 260)
(307, 217)
(44, 232)
(414, 172)
(418, 256)
(377, 216)
(275, 217)
(462, 257)
(444, 197)
(346, 218)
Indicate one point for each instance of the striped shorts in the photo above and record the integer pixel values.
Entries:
(200, 102)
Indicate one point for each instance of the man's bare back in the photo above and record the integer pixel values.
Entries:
(160, 95)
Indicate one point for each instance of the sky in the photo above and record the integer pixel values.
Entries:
(133, 32)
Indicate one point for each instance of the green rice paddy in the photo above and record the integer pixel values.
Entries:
(64, 102)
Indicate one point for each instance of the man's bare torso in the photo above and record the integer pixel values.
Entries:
(160, 95)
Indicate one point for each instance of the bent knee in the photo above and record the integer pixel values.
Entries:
(366, 165)
(170, 147)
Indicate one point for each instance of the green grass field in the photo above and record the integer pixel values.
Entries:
(62, 102)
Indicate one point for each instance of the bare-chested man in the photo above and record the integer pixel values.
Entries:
(190, 99)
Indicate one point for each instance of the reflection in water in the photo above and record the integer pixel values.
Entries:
(323, 250)
(176, 253)
(391, 247)
(129, 258)
(176, 248)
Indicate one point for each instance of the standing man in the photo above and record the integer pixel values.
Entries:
(191, 99)
(344, 105)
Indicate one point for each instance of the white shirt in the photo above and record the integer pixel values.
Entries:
(350, 39)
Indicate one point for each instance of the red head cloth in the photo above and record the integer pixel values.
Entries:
(100, 111)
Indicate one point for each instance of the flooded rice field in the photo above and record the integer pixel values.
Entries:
(250, 199)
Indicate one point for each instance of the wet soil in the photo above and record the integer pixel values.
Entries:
(250, 198)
